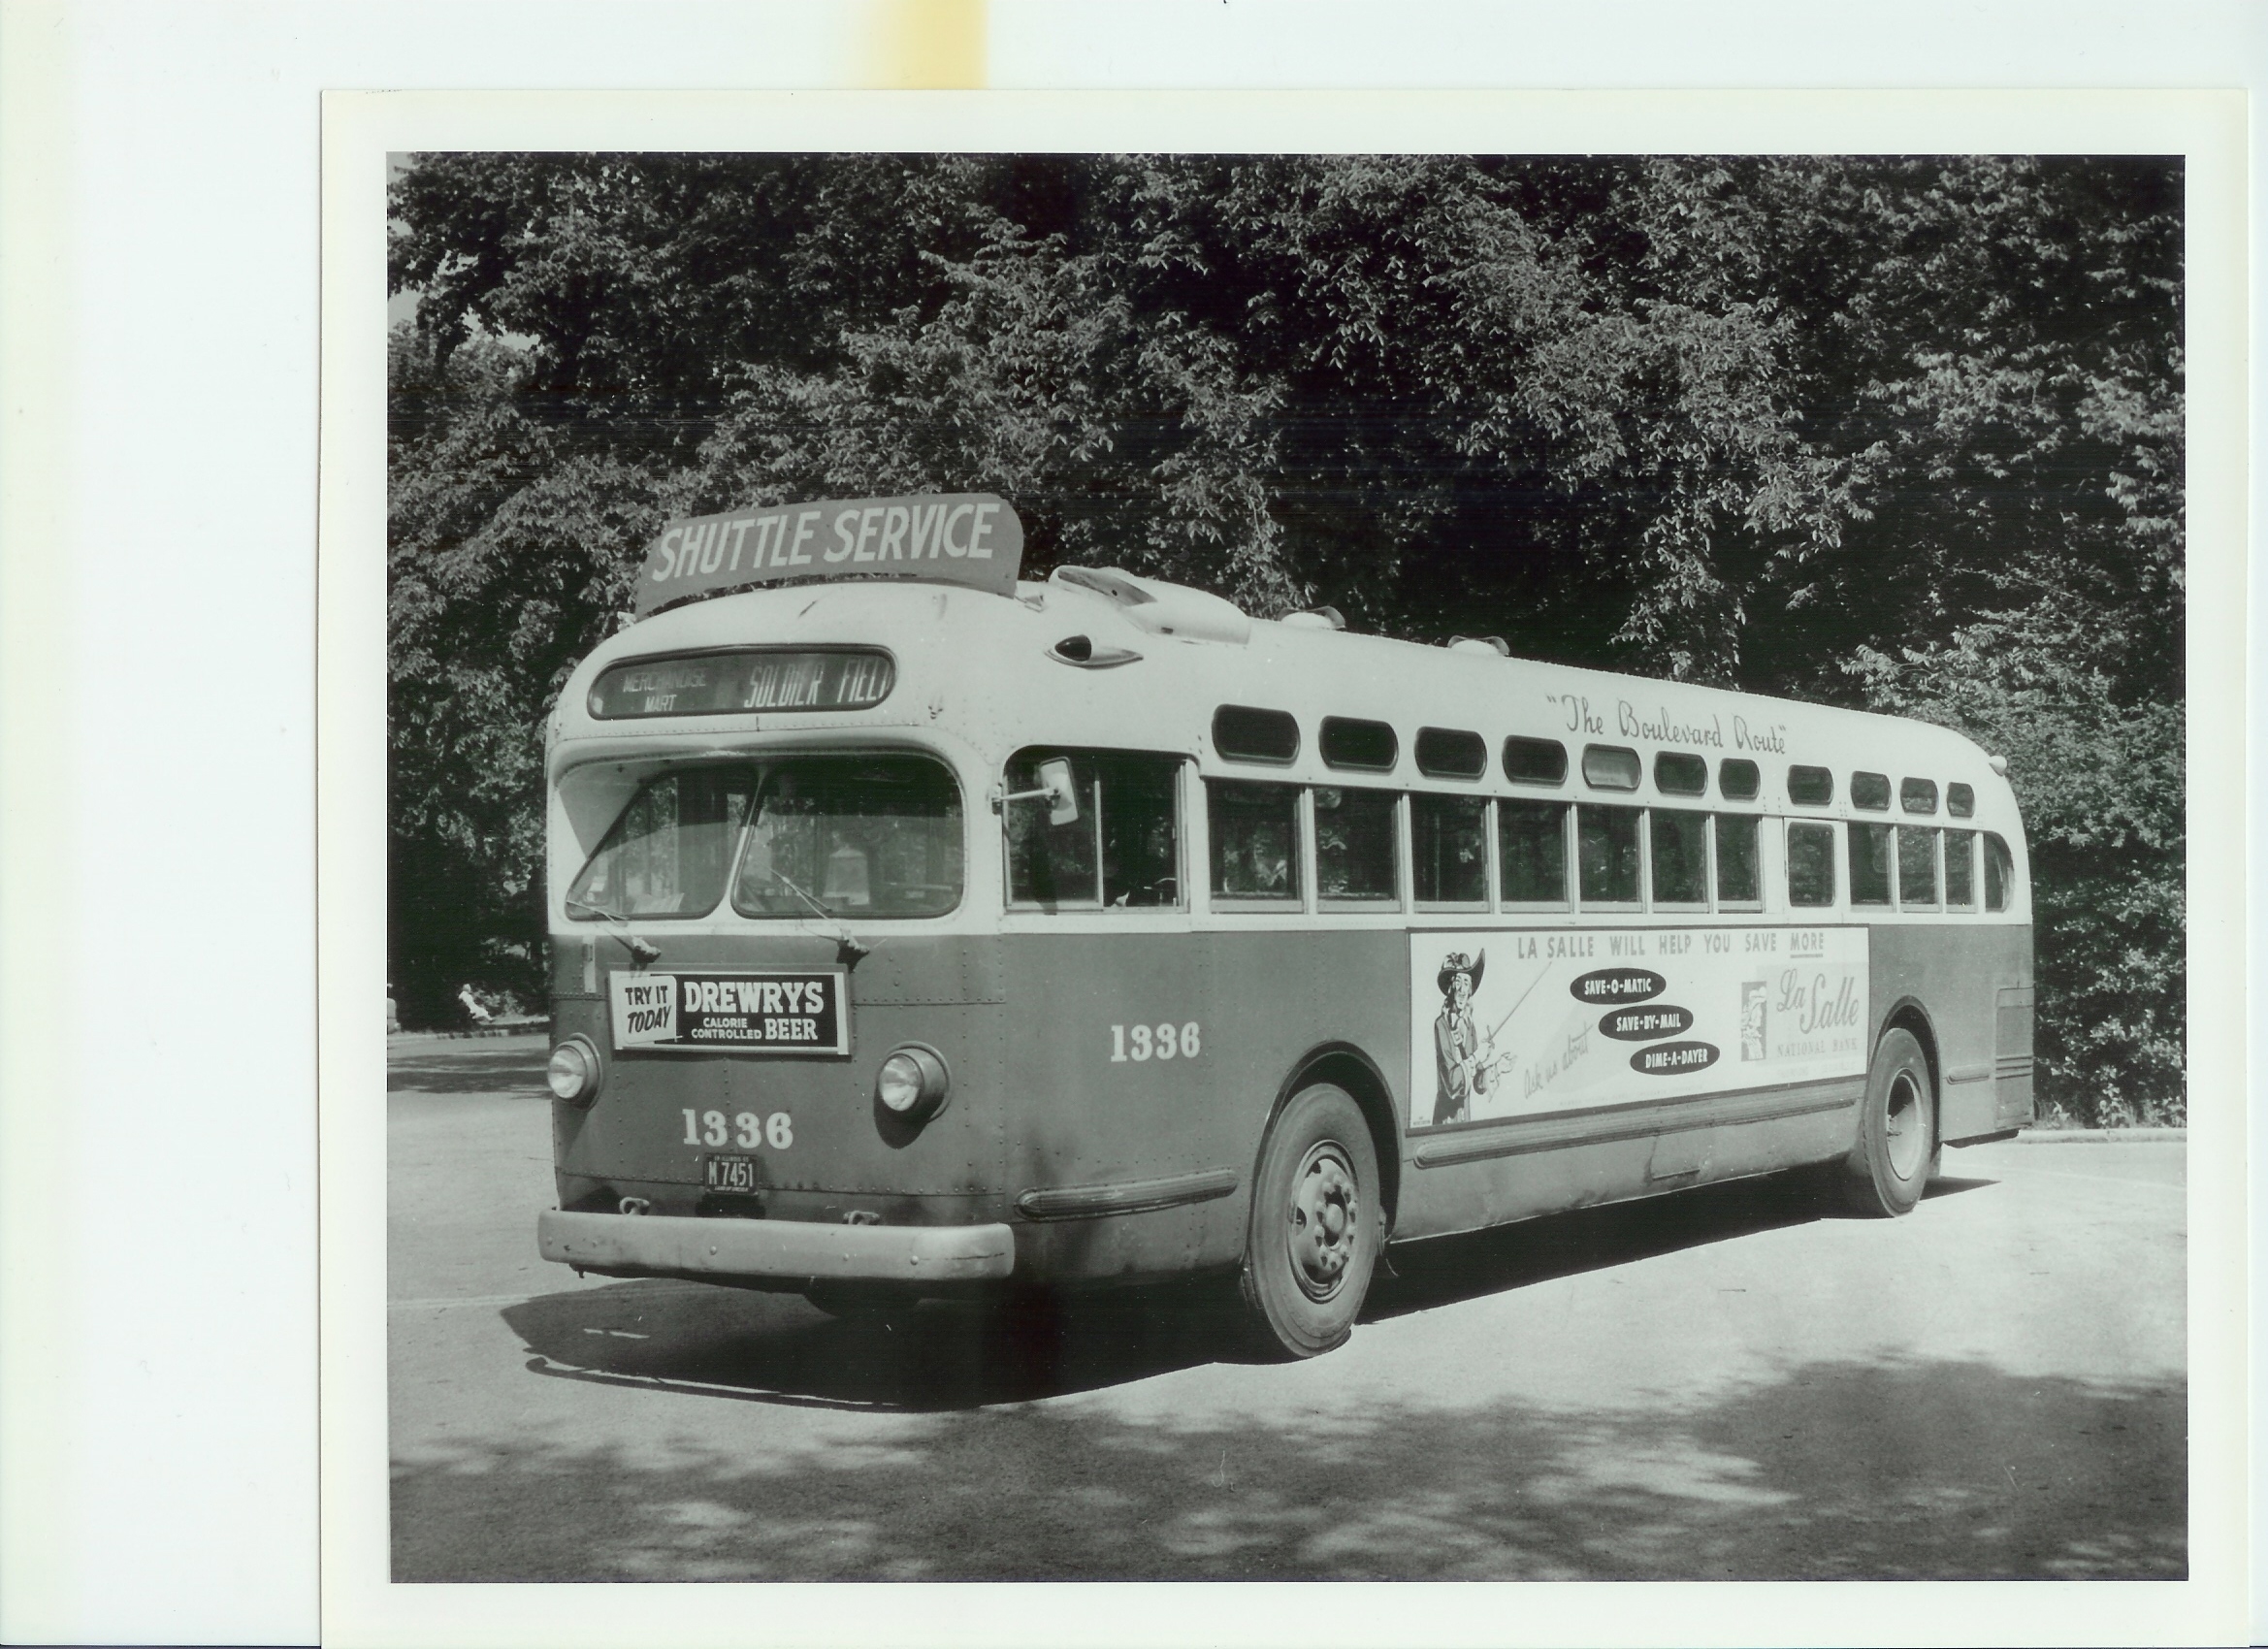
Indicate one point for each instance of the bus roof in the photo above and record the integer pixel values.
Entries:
(1097, 658)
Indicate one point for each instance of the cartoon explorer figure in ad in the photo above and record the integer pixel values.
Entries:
(1466, 1059)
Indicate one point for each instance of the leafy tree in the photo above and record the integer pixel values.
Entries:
(506, 563)
(1900, 432)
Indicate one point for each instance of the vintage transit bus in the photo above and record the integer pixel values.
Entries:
(921, 930)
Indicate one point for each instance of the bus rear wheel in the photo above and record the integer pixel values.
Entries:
(1316, 1224)
(1896, 1149)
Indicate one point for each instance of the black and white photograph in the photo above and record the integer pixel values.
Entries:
(1225, 822)
(1285, 866)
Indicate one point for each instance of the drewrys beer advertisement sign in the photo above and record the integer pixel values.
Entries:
(731, 1011)
(1506, 1024)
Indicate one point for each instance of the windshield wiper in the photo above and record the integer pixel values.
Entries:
(848, 950)
(643, 951)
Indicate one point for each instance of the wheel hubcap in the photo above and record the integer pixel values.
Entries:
(1906, 1127)
(1323, 1214)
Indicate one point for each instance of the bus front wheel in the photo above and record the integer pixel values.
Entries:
(1316, 1224)
(1896, 1149)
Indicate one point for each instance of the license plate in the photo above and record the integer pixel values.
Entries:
(735, 1173)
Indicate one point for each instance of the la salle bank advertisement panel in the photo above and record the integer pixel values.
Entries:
(1508, 1023)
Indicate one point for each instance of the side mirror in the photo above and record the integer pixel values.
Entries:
(1062, 796)
(1056, 789)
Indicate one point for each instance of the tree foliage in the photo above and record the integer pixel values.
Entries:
(1895, 431)
(2101, 785)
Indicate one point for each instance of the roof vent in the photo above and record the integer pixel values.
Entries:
(1316, 618)
(1160, 608)
(1122, 588)
(1496, 644)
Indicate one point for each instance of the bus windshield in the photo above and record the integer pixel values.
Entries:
(669, 854)
(861, 835)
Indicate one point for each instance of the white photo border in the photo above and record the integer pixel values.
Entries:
(361, 1605)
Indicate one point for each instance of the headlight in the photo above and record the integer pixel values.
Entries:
(573, 1071)
(913, 1081)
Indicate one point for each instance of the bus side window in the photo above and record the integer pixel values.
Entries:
(1811, 864)
(1999, 872)
(1124, 852)
(1917, 866)
(1680, 844)
(1606, 853)
(1869, 864)
(1135, 800)
(1960, 869)
(1740, 868)
(1530, 844)
(1448, 848)
(1254, 847)
(1357, 856)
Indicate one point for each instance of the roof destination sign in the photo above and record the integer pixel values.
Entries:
(971, 539)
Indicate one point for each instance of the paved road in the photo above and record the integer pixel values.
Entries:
(1716, 1385)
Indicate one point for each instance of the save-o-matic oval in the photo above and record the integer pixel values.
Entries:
(1644, 1024)
(1617, 985)
(1673, 1059)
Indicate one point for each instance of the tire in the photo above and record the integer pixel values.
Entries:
(1316, 1225)
(1896, 1150)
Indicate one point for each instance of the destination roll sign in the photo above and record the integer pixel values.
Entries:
(971, 539)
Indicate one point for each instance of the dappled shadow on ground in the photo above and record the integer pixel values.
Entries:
(1830, 1469)
(1898, 1469)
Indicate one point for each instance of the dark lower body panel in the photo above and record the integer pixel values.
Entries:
(1466, 1178)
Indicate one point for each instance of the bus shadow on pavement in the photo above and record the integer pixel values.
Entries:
(1952, 1184)
(1444, 1270)
(694, 1339)
(691, 1338)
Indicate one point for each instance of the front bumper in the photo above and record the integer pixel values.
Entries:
(626, 1245)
